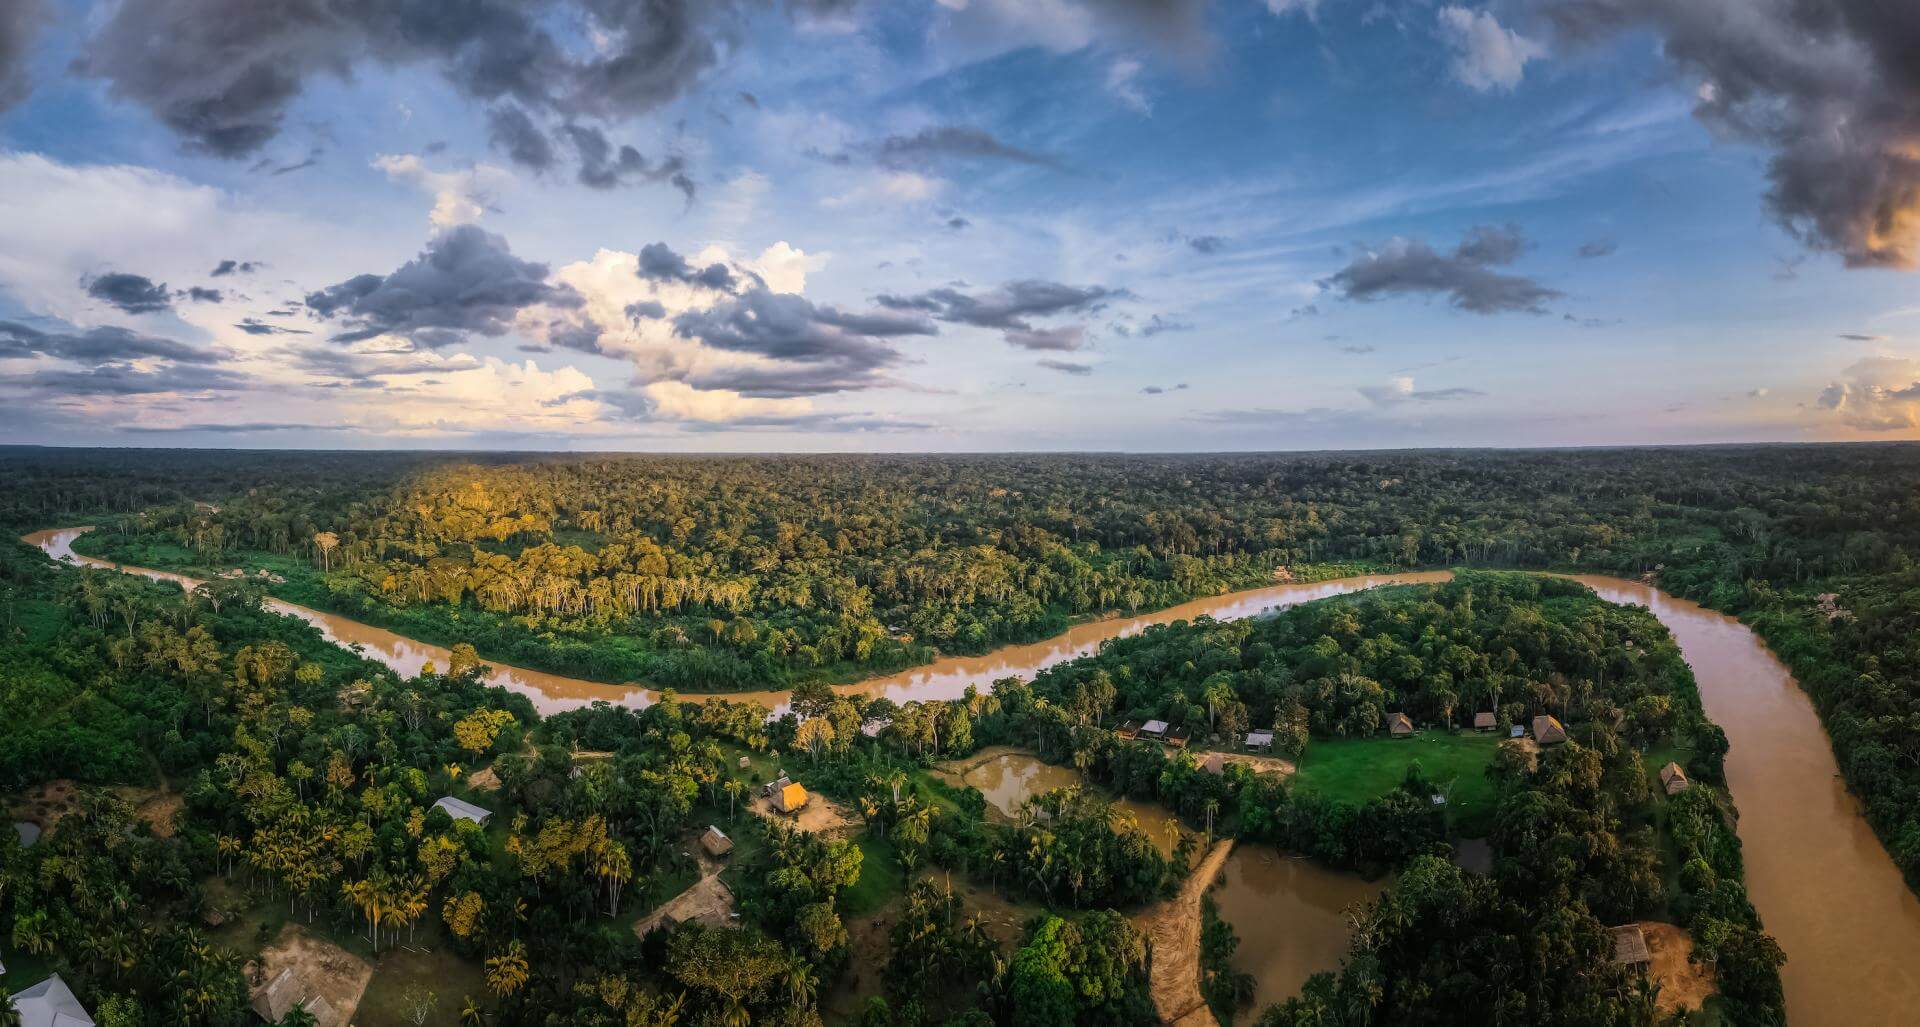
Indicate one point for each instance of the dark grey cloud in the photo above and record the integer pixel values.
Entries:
(232, 267)
(820, 349)
(100, 345)
(602, 166)
(1008, 307)
(1356, 350)
(231, 69)
(134, 294)
(242, 428)
(201, 294)
(1597, 248)
(662, 263)
(255, 326)
(354, 367)
(1155, 325)
(1064, 338)
(943, 143)
(467, 280)
(1861, 337)
(269, 166)
(1065, 366)
(637, 407)
(958, 223)
(120, 379)
(1160, 390)
(20, 22)
(1465, 276)
(1401, 390)
(1832, 87)
(1207, 244)
(513, 133)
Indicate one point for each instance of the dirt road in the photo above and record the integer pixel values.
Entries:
(1174, 928)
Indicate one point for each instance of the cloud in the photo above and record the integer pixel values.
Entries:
(1177, 28)
(1066, 366)
(841, 350)
(255, 326)
(1861, 337)
(460, 197)
(131, 293)
(604, 167)
(240, 428)
(1064, 338)
(662, 263)
(230, 267)
(512, 132)
(100, 345)
(1158, 390)
(1400, 390)
(232, 69)
(1123, 82)
(1465, 276)
(1155, 325)
(942, 143)
(1877, 394)
(1356, 350)
(1011, 309)
(1207, 244)
(201, 294)
(1597, 248)
(1486, 56)
(1832, 88)
(363, 363)
(125, 379)
(20, 22)
(467, 280)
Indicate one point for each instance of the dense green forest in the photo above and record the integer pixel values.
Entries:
(302, 778)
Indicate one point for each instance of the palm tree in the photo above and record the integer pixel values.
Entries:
(507, 972)
(471, 1014)
(9, 1016)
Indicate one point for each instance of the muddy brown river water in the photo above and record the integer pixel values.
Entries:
(1820, 879)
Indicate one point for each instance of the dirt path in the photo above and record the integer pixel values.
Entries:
(1173, 927)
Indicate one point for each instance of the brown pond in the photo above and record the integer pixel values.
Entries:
(1290, 917)
(1008, 778)
(1823, 884)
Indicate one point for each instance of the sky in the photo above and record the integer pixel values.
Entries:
(958, 225)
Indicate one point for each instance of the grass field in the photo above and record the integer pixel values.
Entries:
(881, 879)
(1358, 769)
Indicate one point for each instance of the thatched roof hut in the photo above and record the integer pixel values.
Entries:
(1630, 946)
(1484, 720)
(1128, 730)
(1214, 763)
(716, 842)
(1547, 730)
(790, 799)
(1674, 778)
(1177, 737)
(1399, 725)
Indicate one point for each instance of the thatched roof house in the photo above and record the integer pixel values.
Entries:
(1399, 725)
(1547, 730)
(1630, 946)
(1674, 778)
(716, 842)
(279, 997)
(1484, 720)
(1129, 730)
(1259, 739)
(461, 809)
(1214, 763)
(790, 798)
(51, 1004)
(1177, 737)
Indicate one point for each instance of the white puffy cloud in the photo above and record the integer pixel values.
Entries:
(1878, 393)
(678, 401)
(494, 395)
(1486, 55)
(460, 197)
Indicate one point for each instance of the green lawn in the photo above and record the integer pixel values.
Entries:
(881, 879)
(1358, 769)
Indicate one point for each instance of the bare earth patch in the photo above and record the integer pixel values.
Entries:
(158, 808)
(708, 901)
(1261, 764)
(45, 803)
(1684, 984)
(1173, 927)
(484, 780)
(301, 967)
(819, 816)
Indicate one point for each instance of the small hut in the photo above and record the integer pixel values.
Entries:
(1547, 730)
(1399, 725)
(1129, 730)
(1154, 729)
(1484, 721)
(1674, 778)
(460, 809)
(716, 842)
(775, 786)
(1630, 947)
(790, 799)
(1214, 764)
(1259, 739)
(745, 763)
(1177, 737)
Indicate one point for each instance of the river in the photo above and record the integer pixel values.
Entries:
(1822, 883)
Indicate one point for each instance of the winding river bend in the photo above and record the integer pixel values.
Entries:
(1823, 884)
